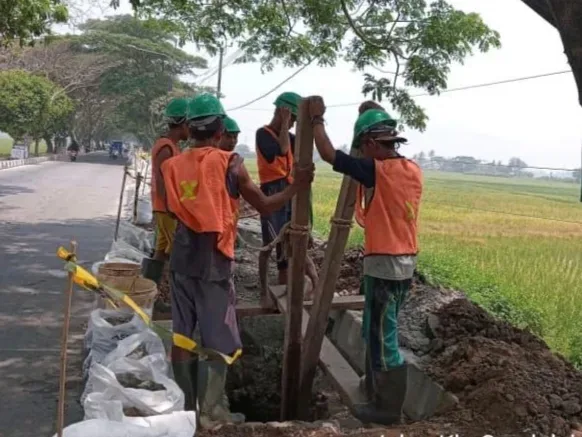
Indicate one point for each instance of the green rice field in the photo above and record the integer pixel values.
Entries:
(513, 245)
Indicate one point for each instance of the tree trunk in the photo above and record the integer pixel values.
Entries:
(49, 144)
(568, 19)
(36, 147)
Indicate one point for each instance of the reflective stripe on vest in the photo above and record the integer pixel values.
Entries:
(196, 191)
(158, 204)
(281, 166)
(390, 217)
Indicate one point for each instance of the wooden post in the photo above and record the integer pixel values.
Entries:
(64, 344)
(338, 237)
(136, 197)
(120, 206)
(299, 231)
(145, 177)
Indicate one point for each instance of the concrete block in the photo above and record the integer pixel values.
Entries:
(424, 397)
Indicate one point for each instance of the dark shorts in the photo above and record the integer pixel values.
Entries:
(272, 224)
(212, 305)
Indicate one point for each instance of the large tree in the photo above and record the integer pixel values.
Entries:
(148, 66)
(24, 20)
(31, 106)
(417, 41)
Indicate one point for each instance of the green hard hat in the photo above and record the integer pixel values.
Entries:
(205, 105)
(288, 100)
(230, 126)
(374, 120)
(176, 109)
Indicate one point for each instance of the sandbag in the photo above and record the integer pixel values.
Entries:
(137, 346)
(103, 334)
(144, 213)
(136, 237)
(177, 424)
(120, 249)
(107, 386)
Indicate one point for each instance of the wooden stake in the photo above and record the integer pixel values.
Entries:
(145, 177)
(296, 273)
(136, 197)
(119, 207)
(64, 344)
(325, 288)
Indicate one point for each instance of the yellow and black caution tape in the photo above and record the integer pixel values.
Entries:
(89, 282)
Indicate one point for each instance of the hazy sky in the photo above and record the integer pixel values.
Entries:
(538, 120)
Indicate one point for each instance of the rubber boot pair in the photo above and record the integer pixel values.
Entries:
(389, 393)
(214, 405)
(153, 270)
(186, 376)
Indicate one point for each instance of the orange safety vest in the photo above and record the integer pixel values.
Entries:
(196, 192)
(280, 168)
(390, 217)
(158, 204)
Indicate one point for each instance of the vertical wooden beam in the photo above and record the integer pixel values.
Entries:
(64, 346)
(338, 237)
(120, 206)
(138, 181)
(299, 237)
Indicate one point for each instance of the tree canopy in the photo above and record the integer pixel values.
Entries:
(24, 20)
(417, 40)
(119, 72)
(31, 105)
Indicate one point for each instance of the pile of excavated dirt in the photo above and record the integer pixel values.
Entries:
(351, 269)
(507, 380)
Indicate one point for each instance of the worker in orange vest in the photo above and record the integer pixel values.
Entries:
(203, 187)
(230, 138)
(164, 148)
(388, 212)
(274, 148)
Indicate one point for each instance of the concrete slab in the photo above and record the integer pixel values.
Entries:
(424, 397)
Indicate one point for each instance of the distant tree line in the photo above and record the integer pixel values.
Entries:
(515, 167)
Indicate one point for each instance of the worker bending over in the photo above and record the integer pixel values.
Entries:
(389, 218)
(230, 137)
(203, 187)
(274, 148)
(164, 148)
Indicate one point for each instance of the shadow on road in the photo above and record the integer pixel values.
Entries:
(32, 287)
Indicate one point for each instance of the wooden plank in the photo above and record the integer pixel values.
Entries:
(299, 239)
(345, 379)
(325, 289)
(341, 303)
(245, 309)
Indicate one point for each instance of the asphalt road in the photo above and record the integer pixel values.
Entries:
(42, 207)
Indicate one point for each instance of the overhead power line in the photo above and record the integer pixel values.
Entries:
(451, 90)
(262, 96)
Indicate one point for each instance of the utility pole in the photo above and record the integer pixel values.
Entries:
(218, 86)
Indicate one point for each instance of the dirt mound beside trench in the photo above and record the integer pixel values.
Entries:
(507, 380)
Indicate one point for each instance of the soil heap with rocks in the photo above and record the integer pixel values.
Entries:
(507, 380)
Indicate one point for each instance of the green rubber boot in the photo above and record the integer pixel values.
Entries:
(390, 393)
(214, 405)
(186, 376)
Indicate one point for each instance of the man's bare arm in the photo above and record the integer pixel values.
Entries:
(265, 205)
(284, 139)
(323, 143)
